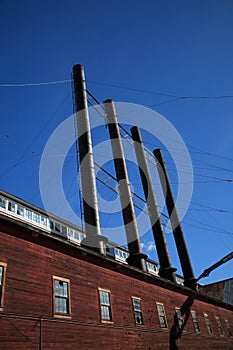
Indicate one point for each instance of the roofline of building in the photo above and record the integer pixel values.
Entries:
(222, 281)
(40, 210)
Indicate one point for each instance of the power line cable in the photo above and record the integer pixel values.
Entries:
(159, 92)
(35, 84)
(20, 160)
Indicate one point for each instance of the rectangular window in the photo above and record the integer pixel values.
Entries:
(218, 323)
(11, 206)
(28, 214)
(206, 317)
(51, 224)
(137, 310)
(229, 328)
(61, 294)
(43, 220)
(2, 283)
(195, 321)
(20, 210)
(64, 230)
(72, 234)
(105, 305)
(57, 227)
(36, 217)
(179, 319)
(2, 203)
(162, 316)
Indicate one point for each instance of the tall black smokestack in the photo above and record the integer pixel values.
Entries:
(88, 181)
(189, 279)
(166, 270)
(136, 257)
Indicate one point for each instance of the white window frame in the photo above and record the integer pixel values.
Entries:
(109, 306)
(3, 284)
(219, 325)
(195, 321)
(68, 300)
(162, 316)
(136, 312)
(208, 325)
(180, 319)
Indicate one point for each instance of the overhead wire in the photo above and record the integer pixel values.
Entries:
(35, 84)
(159, 92)
(20, 159)
(126, 134)
(173, 98)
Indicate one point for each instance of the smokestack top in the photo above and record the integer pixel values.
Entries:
(109, 100)
(78, 67)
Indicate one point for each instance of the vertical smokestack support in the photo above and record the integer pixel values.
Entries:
(166, 270)
(136, 257)
(189, 279)
(91, 214)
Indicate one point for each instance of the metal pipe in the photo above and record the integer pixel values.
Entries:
(166, 270)
(93, 238)
(41, 334)
(136, 257)
(189, 279)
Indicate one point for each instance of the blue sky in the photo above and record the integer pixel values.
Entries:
(181, 48)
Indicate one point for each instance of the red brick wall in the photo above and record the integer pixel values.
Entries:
(31, 263)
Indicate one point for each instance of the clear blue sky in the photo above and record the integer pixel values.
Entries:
(182, 48)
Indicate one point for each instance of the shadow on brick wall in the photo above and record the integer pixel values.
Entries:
(177, 330)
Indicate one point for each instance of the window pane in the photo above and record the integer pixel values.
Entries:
(104, 298)
(179, 318)
(36, 217)
(137, 310)
(51, 225)
(105, 305)
(43, 220)
(195, 322)
(20, 210)
(1, 274)
(2, 203)
(137, 304)
(57, 227)
(138, 317)
(64, 230)
(76, 235)
(162, 317)
(208, 324)
(162, 321)
(28, 214)
(11, 206)
(105, 313)
(61, 305)
(228, 328)
(61, 288)
(219, 326)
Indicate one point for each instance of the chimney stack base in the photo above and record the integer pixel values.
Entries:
(94, 242)
(168, 273)
(137, 260)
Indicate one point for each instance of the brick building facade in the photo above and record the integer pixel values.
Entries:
(56, 294)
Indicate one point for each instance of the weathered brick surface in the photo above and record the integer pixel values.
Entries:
(31, 263)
